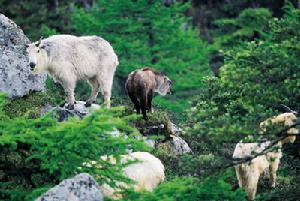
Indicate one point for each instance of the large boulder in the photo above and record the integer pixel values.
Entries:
(16, 79)
(82, 187)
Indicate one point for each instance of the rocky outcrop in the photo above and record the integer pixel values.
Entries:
(176, 145)
(16, 79)
(172, 141)
(82, 187)
(179, 146)
(62, 113)
(80, 110)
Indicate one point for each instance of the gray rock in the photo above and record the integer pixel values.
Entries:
(150, 142)
(174, 129)
(175, 144)
(82, 187)
(16, 79)
(62, 113)
(179, 146)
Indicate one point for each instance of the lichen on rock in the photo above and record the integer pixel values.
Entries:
(16, 79)
(82, 187)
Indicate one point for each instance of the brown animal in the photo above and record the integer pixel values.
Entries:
(141, 85)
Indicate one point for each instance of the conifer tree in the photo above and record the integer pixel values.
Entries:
(146, 33)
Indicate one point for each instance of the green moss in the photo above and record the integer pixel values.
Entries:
(29, 105)
(156, 125)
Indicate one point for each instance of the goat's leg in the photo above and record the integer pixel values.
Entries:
(143, 104)
(135, 102)
(95, 90)
(106, 85)
(273, 170)
(251, 186)
(149, 101)
(239, 175)
(69, 87)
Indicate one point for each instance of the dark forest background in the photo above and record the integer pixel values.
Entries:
(233, 64)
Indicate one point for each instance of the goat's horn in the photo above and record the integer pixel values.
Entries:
(39, 42)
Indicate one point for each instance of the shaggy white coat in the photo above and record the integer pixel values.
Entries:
(249, 173)
(147, 173)
(70, 58)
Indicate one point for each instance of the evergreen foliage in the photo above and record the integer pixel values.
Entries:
(146, 33)
(35, 17)
(261, 71)
(257, 77)
(249, 25)
(190, 189)
(38, 153)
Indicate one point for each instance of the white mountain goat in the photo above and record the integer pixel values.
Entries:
(147, 173)
(70, 58)
(248, 173)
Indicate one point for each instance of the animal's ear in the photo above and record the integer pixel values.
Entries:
(166, 79)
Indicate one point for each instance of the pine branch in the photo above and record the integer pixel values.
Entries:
(236, 161)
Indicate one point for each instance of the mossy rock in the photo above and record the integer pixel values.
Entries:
(29, 106)
(158, 124)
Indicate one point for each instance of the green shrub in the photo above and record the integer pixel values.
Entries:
(256, 78)
(147, 33)
(251, 24)
(38, 153)
(190, 189)
(31, 105)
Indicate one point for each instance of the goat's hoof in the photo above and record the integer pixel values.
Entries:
(88, 104)
(70, 107)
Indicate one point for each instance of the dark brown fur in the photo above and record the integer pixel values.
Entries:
(141, 85)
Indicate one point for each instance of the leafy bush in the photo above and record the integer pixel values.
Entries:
(190, 189)
(38, 153)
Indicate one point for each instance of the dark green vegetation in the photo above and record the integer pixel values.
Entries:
(260, 44)
(37, 153)
(145, 33)
(257, 77)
